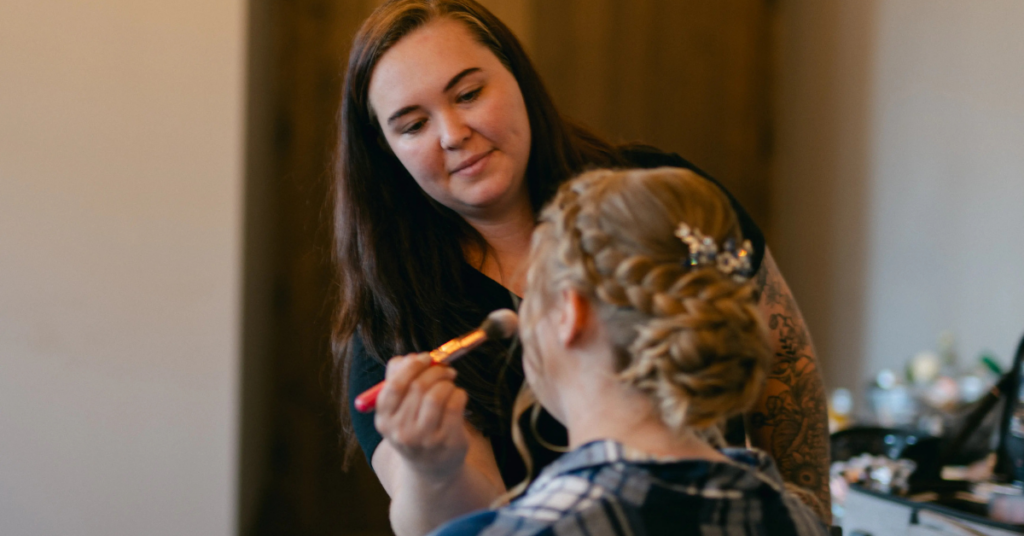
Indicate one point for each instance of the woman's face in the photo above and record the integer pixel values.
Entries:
(455, 117)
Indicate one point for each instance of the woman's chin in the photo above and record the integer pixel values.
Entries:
(483, 199)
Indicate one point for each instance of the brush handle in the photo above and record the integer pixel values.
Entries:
(443, 355)
(367, 400)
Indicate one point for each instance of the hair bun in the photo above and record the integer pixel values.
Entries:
(707, 361)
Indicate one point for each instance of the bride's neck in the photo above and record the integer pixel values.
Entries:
(599, 406)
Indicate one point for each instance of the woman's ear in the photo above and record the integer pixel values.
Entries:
(573, 317)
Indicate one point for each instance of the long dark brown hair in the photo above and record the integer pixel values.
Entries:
(399, 255)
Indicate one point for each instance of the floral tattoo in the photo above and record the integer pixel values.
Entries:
(790, 418)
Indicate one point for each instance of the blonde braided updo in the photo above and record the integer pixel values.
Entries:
(692, 340)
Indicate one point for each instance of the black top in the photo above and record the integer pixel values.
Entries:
(505, 366)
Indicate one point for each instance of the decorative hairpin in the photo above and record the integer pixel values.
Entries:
(704, 252)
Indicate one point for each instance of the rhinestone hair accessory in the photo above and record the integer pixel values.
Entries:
(704, 253)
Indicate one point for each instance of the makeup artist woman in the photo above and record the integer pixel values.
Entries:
(449, 146)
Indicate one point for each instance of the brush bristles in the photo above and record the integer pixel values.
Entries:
(500, 324)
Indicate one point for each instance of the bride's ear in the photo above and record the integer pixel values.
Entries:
(573, 317)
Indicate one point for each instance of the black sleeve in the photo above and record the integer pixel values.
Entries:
(364, 373)
(649, 157)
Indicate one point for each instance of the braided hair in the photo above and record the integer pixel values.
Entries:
(691, 339)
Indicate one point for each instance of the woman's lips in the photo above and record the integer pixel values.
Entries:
(472, 164)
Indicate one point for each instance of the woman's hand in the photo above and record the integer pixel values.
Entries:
(420, 413)
(433, 464)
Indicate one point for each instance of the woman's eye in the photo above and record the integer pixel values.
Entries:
(413, 127)
(469, 96)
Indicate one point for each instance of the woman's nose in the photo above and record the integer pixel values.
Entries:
(454, 131)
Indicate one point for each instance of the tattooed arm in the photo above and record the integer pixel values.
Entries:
(789, 420)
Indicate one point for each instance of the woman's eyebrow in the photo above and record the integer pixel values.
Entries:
(455, 79)
(401, 112)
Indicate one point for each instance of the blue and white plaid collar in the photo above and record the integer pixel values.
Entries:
(754, 464)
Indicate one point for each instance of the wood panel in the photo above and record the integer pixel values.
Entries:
(305, 491)
(692, 77)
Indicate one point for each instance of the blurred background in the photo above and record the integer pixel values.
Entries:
(165, 277)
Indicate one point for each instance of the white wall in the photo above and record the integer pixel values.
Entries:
(121, 137)
(947, 203)
(900, 195)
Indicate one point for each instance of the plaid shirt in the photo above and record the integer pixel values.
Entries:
(605, 489)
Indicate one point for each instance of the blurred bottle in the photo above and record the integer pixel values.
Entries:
(923, 368)
(891, 401)
(839, 409)
(944, 393)
(947, 351)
